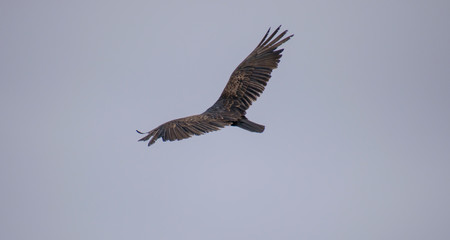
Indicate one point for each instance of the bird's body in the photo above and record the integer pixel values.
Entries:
(246, 83)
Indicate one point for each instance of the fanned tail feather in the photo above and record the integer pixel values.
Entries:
(248, 125)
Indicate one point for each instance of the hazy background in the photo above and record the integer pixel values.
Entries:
(357, 140)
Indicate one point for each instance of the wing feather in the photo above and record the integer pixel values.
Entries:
(249, 79)
(187, 127)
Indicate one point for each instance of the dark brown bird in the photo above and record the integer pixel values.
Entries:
(246, 83)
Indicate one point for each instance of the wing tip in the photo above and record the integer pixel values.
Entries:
(274, 39)
(152, 134)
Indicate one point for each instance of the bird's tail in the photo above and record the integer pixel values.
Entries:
(248, 125)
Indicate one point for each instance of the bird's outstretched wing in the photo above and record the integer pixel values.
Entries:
(249, 79)
(182, 128)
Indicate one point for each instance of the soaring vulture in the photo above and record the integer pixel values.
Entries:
(246, 83)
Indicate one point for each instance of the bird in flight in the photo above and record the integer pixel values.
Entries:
(246, 83)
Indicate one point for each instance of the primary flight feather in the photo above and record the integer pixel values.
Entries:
(246, 83)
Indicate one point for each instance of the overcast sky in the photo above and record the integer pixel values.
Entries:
(357, 139)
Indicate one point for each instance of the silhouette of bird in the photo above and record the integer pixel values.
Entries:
(246, 83)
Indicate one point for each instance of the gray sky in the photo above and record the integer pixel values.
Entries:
(357, 139)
